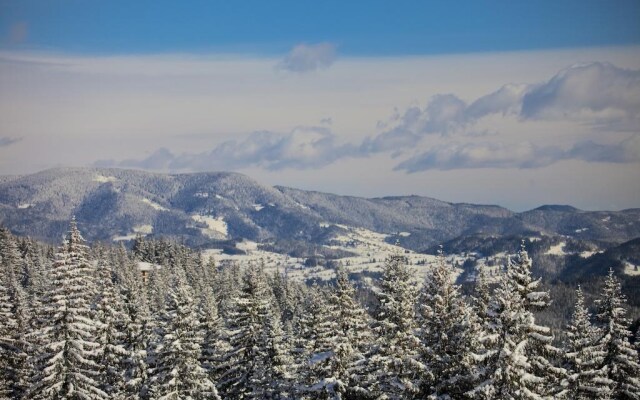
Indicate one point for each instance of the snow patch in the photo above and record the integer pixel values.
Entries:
(201, 195)
(404, 234)
(143, 229)
(216, 227)
(104, 179)
(258, 207)
(125, 238)
(631, 269)
(607, 219)
(24, 205)
(219, 197)
(556, 250)
(146, 266)
(154, 205)
(581, 230)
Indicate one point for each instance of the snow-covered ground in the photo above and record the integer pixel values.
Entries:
(216, 227)
(557, 250)
(369, 247)
(631, 269)
(104, 179)
(140, 230)
(154, 205)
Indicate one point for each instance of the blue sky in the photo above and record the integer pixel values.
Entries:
(358, 28)
(505, 102)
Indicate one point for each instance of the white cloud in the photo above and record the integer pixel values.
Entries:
(519, 155)
(302, 148)
(309, 57)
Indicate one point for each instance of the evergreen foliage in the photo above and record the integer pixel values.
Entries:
(85, 324)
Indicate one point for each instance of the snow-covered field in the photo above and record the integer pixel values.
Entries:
(154, 205)
(369, 247)
(631, 269)
(216, 227)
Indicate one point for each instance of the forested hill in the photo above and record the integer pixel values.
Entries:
(201, 209)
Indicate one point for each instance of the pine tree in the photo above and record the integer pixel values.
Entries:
(8, 326)
(10, 259)
(518, 362)
(110, 323)
(66, 368)
(213, 335)
(137, 330)
(587, 377)
(255, 364)
(449, 331)
(317, 345)
(177, 373)
(18, 360)
(353, 333)
(394, 369)
(620, 358)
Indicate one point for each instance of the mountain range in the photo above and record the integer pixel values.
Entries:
(206, 209)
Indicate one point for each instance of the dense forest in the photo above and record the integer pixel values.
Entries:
(80, 322)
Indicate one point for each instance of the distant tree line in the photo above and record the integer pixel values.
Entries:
(83, 322)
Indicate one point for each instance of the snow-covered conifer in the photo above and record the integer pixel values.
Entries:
(110, 332)
(255, 364)
(448, 331)
(587, 376)
(66, 368)
(394, 368)
(177, 373)
(620, 358)
(519, 361)
(8, 326)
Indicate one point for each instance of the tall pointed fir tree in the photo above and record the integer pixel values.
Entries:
(21, 346)
(110, 332)
(620, 358)
(519, 361)
(137, 330)
(394, 370)
(177, 373)
(257, 360)
(213, 335)
(316, 348)
(353, 337)
(8, 327)
(448, 331)
(587, 376)
(67, 368)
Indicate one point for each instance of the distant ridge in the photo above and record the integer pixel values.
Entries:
(205, 209)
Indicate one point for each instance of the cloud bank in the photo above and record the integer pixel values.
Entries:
(309, 57)
(601, 99)
(302, 148)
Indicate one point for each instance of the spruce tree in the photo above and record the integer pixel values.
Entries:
(110, 332)
(448, 332)
(620, 358)
(67, 368)
(587, 377)
(256, 362)
(213, 335)
(354, 336)
(8, 327)
(394, 368)
(177, 373)
(518, 363)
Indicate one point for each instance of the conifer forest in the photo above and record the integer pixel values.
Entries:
(80, 322)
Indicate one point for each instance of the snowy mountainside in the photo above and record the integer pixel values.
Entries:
(218, 210)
